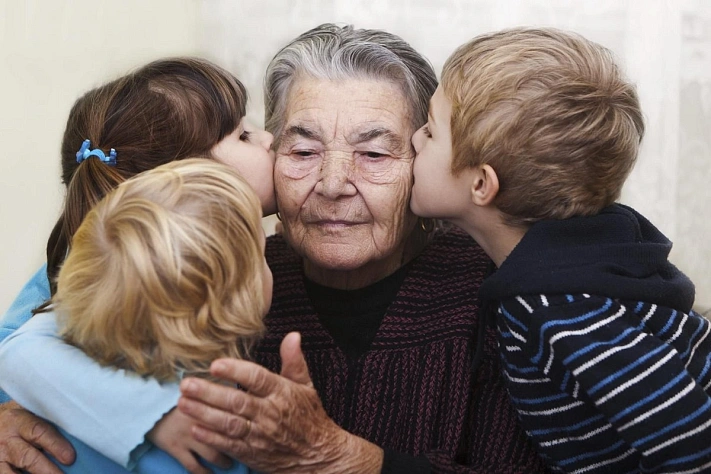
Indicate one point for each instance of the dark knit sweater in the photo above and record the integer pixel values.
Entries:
(413, 392)
(607, 364)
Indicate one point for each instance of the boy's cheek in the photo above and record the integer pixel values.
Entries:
(417, 140)
(414, 202)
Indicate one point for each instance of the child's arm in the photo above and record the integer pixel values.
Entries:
(631, 362)
(34, 293)
(110, 409)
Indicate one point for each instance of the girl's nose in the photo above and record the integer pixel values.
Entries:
(266, 139)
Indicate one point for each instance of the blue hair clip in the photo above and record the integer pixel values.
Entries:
(84, 153)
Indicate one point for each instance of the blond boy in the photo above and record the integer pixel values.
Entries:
(530, 138)
(165, 274)
(168, 273)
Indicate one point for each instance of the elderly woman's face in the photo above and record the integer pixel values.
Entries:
(343, 174)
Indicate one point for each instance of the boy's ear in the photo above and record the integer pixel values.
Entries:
(485, 185)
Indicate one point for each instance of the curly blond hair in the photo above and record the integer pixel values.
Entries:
(165, 273)
(551, 112)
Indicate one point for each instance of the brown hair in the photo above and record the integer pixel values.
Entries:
(165, 273)
(168, 110)
(551, 112)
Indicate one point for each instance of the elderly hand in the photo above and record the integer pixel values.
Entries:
(279, 425)
(23, 437)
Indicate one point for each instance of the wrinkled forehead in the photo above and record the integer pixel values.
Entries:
(348, 111)
(357, 134)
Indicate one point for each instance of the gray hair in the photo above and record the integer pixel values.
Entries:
(333, 52)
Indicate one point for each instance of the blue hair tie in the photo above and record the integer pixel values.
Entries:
(84, 153)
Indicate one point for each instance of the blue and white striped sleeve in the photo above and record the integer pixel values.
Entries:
(609, 354)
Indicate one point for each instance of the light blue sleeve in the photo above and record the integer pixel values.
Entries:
(34, 293)
(154, 461)
(110, 409)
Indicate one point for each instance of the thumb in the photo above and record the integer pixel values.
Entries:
(293, 364)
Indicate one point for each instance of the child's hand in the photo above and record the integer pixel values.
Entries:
(172, 435)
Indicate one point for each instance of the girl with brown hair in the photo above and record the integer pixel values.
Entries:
(167, 110)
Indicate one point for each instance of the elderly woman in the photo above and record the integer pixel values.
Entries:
(404, 375)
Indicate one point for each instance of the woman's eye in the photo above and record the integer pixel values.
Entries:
(373, 155)
(426, 131)
(245, 136)
(303, 153)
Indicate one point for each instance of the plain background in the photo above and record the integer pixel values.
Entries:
(54, 50)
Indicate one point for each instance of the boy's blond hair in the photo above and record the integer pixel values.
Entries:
(164, 274)
(553, 115)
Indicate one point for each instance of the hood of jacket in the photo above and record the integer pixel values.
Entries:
(617, 253)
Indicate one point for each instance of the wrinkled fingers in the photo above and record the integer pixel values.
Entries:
(216, 419)
(221, 397)
(253, 377)
(23, 436)
(22, 456)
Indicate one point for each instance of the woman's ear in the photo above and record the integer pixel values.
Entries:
(485, 185)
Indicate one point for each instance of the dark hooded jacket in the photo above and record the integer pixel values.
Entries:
(607, 365)
(616, 253)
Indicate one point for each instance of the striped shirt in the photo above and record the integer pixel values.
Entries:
(608, 385)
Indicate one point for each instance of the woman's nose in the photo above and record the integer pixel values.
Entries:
(335, 179)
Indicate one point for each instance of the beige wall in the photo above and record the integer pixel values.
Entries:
(51, 52)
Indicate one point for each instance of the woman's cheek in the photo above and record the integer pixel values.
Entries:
(384, 172)
(293, 182)
(389, 203)
(296, 167)
(401, 198)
